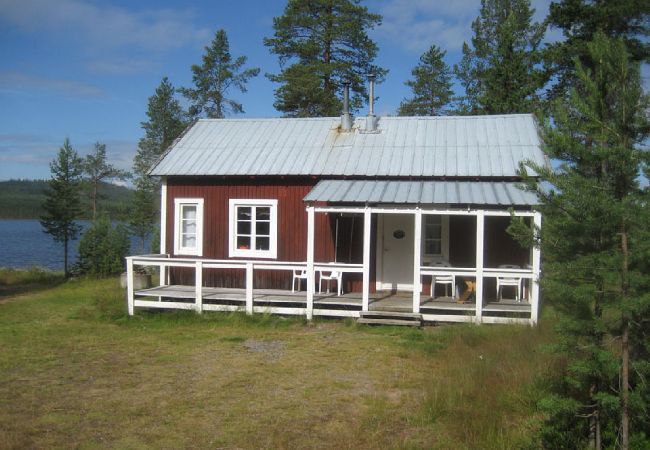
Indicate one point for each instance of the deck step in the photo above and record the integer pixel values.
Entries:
(390, 318)
(408, 323)
(382, 313)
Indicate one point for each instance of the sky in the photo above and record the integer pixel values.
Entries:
(84, 69)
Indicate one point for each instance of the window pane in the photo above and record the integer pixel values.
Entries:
(262, 243)
(189, 241)
(243, 213)
(263, 213)
(263, 228)
(189, 212)
(189, 226)
(243, 242)
(243, 227)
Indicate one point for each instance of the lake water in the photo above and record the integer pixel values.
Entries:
(24, 244)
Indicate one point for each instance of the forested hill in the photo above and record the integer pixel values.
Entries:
(22, 199)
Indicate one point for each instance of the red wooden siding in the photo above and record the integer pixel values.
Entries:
(292, 225)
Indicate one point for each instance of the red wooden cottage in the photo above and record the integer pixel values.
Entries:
(348, 217)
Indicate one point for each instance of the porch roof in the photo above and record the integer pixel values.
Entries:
(421, 192)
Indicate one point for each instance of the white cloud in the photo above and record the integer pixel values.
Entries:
(101, 26)
(26, 148)
(119, 66)
(38, 150)
(417, 24)
(20, 82)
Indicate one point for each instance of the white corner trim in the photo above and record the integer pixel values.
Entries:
(233, 251)
(178, 204)
(163, 216)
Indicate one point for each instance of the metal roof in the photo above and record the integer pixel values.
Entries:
(421, 192)
(448, 146)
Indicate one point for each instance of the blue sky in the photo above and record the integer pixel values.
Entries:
(84, 69)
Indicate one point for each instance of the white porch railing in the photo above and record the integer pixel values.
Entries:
(480, 275)
(164, 263)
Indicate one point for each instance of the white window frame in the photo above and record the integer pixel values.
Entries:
(444, 241)
(179, 203)
(272, 252)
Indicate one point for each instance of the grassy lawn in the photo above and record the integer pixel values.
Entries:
(76, 372)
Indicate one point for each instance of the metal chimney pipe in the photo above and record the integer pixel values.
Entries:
(371, 122)
(346, 118)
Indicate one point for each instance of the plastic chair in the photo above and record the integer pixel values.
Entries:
(446, 280)
(509, 281)
(334, 275)
(298, 275)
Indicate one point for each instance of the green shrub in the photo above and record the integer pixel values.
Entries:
(102, 248)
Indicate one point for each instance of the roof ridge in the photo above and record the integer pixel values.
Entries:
(362, 117)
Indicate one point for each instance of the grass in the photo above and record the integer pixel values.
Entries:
(76, 371)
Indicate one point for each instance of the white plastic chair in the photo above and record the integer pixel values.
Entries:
(298, 275)
(509, 281)
(446, 280)
(334, 275)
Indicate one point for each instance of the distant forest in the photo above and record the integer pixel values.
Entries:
(22, 199)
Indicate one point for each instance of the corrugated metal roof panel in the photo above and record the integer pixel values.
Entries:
(463, 146)
(421, 192)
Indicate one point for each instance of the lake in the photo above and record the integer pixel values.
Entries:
(23, 244)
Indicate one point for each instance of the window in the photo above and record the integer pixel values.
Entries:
(433, 235)
(188, 226)
(253, 228)
(435, 240)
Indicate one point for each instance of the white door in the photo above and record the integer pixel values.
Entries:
(395, 247)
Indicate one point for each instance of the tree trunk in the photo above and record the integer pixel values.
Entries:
(94, 201)
(625, 350)
(594, 420)
(327, 52)
(65, 257)
(625, 387)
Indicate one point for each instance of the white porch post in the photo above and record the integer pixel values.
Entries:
(534, 294)
(311, 282)
(198, 286)
(365, 298)
(129, 285)
(480, 235)
(417, 279)
(163, 230)
(249, 288)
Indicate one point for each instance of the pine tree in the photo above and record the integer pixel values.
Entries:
(431, 86)
(62, 202)
(215, 78)
(500, 71)
(166, 121)
(321, 44)
(596, 254)
(579, 21)
(96, 170)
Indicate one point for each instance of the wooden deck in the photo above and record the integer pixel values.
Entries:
(382, 301)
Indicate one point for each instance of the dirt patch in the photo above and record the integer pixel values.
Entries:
(271, 350)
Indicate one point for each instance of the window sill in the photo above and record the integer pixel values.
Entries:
(237, 253)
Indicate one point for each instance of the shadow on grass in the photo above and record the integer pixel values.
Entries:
(15, 282)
